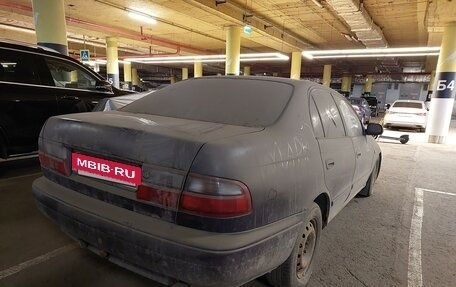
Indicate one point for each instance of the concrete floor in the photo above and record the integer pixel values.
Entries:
(368, 244)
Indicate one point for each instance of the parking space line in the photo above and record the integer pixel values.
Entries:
(438, 192)
(37, 260)
(415, 277)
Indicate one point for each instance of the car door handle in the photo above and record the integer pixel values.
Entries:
(358, 155)
(329, 163)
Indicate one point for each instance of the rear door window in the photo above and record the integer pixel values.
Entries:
(19, 67)
(352, 122)
(329, 114)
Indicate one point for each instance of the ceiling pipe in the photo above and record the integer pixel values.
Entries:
(118, 31)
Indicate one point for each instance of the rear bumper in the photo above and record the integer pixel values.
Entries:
(164, 259)
(416, 122)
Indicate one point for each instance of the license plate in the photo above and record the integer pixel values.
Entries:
(105, 169)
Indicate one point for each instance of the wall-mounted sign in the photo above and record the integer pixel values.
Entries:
(85, 55)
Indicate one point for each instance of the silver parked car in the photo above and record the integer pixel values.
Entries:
(212, 181)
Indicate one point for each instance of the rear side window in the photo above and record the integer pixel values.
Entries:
(68, 75)
(408, 105)
(242, 102)
(352, 122)
(329, 114)
(316, 121)
(18, 67)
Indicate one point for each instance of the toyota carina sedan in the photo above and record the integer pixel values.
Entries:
(212, 181)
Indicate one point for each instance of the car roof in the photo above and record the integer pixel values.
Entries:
(409, 101)
(15, 45)
(295, 83)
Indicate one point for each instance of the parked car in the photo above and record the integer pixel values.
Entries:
(364, 108)
(212, 181)
(36, 83)
(373, 104)
(115, 103)
(406, 113)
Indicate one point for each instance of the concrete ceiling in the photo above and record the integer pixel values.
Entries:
(189, 27)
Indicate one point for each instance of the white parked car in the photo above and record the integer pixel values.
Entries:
(406, 113)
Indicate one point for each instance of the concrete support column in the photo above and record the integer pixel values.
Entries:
(233, 50)
(442, 100)
(327, 75)
(112, 57)
(368, 84)
(127, 74)
(172, 79)
(275, 74)
(50, 24)
(246, 70)
(345, 84)
(349, 84)
(197, 69)
(184, 73)
(295, 72)
(134, 77)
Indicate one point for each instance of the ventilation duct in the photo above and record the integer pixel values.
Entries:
(360, 22)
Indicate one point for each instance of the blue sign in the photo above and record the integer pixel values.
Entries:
(85, 55)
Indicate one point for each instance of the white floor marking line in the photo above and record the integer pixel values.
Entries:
(37, 260)
(415, 277)
(438, 192)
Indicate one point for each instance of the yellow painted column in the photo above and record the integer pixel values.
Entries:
(184, 73)
(233, 50)
(326, 75)
(172, 79)
(112, 57)
(345, 87)
(275, 74)
(444, 89)
(50, 24)
(368, 84)
(349, 84)
(197, 69)
(127, 74)
(246, 70)
(134, 77)
(295, 72)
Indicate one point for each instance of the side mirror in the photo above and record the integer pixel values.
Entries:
(388, 106)
(374, 129)
(103, 86)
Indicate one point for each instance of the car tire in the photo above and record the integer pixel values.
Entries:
(297, 269)
(369, 188)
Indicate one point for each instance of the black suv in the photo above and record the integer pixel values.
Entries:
(373, 104)
(36, 83)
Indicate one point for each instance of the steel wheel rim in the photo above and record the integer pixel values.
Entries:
(306, 249)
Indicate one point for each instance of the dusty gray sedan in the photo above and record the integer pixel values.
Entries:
(212, 181)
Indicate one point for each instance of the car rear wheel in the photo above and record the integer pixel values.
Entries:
(297, 269)
(368, 189)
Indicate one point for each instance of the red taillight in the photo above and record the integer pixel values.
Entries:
(160, 195)
(53, 163)
(215, 197)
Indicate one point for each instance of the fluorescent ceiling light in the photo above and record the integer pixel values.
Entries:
(369, 53)
(318, 3)
(209, 58)
(17, 28)
(141, 17)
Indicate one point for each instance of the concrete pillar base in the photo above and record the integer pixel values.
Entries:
(436, 139)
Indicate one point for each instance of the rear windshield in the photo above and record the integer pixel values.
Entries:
(241, 102)
(408, 105)
(371, 100)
